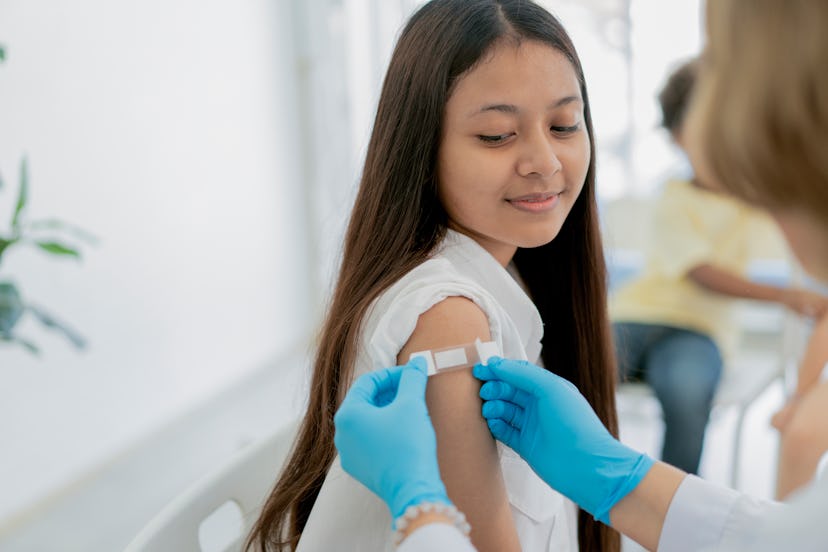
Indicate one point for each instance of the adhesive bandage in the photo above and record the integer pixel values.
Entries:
(457, 357)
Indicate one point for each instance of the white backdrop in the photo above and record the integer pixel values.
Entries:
(170, 131)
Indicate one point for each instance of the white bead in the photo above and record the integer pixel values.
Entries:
(412, 512)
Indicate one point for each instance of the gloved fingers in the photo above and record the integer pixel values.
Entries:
(515, 372)
(384, 397)
(380, 388)
(411, 383)
(413, 380)
(520, 374)
(347, 418)
(483, 372)
(504, 433)
(418, 363)
(506, 411)
(381, 384)
(500, 390)
(496, 389)
(339, 438)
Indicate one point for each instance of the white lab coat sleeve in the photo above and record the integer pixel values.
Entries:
(436, 537)
(697, 516)
(800, 525)
(708, 517)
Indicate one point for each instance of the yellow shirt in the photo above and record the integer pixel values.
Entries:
(691, 227)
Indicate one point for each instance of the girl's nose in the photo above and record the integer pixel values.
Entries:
(538, 157)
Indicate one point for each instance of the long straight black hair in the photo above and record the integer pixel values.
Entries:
(397, 221)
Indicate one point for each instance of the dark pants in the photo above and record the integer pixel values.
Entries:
(683, 368)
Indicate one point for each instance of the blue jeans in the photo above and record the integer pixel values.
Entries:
(683, 368)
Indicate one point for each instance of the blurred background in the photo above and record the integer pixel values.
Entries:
(212, 149)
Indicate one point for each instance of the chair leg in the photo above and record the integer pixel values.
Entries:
(737, 447)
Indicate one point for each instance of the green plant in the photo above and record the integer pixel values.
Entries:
(41, 234)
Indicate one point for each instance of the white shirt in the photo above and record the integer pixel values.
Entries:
(705, 517)
(346, 516)
(702, 518)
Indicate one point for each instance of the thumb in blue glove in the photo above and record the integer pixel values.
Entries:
(385, 438)
(546, 420)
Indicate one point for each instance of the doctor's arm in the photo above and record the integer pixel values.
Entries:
(547, 421)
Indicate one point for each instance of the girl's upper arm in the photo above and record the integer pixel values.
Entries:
(466, 451)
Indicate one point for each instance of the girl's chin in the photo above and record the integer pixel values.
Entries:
(538, 239)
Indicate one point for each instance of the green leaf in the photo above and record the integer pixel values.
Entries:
(11, 307)
(2, 53)
(28, 345)
(57, 225)
(23, 196)
(5, 244)
(58, 249)
(51, 322)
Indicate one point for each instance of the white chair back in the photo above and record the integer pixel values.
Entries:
(243, 485)
(822, 467)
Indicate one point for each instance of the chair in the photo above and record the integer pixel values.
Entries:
(244, 483)
(742, 383)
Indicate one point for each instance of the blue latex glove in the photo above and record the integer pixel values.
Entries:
(546, 420)
(385, 438)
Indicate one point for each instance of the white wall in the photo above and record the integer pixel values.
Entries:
(169, 130)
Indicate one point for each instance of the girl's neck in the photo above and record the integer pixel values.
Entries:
(502, 252)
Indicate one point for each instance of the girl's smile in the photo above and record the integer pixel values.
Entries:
(536, 203)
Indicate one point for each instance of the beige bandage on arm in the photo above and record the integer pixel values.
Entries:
(457, 357)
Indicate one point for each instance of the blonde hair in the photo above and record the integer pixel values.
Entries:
(762, 102)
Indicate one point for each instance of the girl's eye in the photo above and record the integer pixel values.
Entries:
(565, 129)
(496, 139)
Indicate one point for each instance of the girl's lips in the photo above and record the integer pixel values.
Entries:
(535, 203)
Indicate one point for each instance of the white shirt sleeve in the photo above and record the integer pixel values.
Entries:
(697, 516)
(800, 525)
(707, 517)
(436, 537)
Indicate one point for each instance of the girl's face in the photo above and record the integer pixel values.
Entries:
(514, 152)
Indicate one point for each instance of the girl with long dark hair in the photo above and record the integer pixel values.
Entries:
(475, 218)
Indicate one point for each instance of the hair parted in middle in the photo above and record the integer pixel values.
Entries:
(397, 222)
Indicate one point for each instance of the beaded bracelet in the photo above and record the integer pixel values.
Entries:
(412, 512)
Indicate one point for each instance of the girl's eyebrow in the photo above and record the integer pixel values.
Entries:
(511, 109)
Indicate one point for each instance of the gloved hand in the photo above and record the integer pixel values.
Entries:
(546, 420)
(385, 438)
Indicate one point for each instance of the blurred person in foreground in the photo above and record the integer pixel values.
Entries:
(675, 324)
